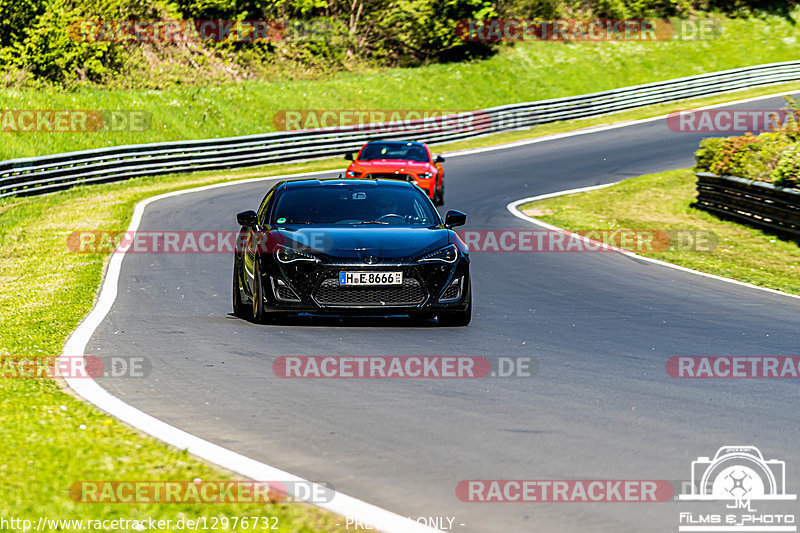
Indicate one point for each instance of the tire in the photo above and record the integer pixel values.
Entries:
(259, 316)
(440, 194)
(458, 318)
(240, 309)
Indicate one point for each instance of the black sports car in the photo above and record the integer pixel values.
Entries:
(351, 246)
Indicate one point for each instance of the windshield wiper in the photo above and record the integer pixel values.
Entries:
(368, 222)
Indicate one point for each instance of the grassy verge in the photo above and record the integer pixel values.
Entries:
(50, 438)
(525, 72)
(45, 291)
(663, 201)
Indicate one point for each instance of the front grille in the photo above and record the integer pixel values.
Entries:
(331, 293)
(389, 176)
(283, 292)
(451, 293)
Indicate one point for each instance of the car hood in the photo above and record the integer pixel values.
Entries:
(365, 243)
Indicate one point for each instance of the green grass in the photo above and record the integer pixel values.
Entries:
(45, 290)
(663, 201)
(526, 72)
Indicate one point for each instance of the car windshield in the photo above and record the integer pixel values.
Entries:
(353, 204)
(394, 151)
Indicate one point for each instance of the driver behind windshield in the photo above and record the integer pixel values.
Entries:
(394, 151)
(338, 205)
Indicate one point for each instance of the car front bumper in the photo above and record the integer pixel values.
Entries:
(304, 287)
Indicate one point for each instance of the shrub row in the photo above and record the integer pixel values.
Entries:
(35, 45)
(772, 156)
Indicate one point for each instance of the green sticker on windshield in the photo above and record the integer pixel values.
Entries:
(281, 220)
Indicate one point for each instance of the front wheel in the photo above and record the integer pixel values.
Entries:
(240, 309)
(438, 194)
(258, 297)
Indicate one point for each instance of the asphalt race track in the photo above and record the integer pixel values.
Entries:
(600, 325)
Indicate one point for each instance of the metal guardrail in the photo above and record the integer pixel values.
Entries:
(756, 203)
(44, 174)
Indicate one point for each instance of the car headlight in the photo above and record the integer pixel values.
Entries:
(353, 173)
(426, 175)
(448, 254)
(284, 254)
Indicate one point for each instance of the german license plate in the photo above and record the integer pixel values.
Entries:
(370, 278)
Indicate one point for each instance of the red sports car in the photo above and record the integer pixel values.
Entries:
(410, 161)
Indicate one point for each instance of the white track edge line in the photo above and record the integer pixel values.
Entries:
(387, 521)
(514, 210)
(90, 390)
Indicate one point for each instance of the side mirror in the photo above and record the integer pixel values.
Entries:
(248, 219)
(455, 218)
(349, 156)
(439, 159)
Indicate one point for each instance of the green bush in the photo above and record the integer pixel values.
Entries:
(787, 171)
(17, 15)
(46, 45)
(704, 157)
(736, 156)
(35, 44)
(765, 157)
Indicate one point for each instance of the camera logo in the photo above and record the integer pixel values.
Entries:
(737, 476)
(738, 473)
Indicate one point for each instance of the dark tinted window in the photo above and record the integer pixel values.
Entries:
(397, 151)
(353, 204)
